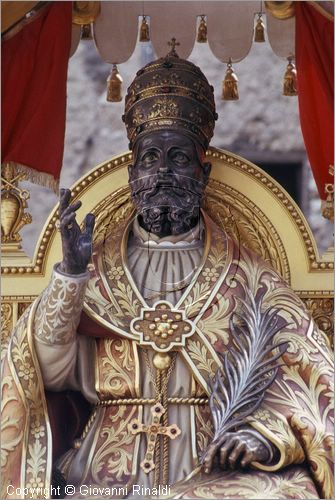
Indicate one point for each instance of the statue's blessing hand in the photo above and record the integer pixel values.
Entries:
(76, 244)
(236, 450)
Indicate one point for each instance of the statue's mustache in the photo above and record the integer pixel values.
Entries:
(167, 203)
(167, 186)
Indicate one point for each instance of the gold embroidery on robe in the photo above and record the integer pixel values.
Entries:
(295, 415)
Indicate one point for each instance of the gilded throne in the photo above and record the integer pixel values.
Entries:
(251, 206)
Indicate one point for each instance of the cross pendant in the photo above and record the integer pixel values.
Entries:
(155, 428)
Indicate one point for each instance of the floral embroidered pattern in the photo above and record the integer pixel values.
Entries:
(115, 273)
(210, 274)
(58, 312)
(24, 435)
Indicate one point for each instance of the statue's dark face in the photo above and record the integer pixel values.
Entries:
(167, 181)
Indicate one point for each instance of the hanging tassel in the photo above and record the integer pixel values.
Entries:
(114, 85)
(328, 205)
(86, 32)
(202, 31)
(229, 84)
(290, 79)
(144, 30)
(259, 29)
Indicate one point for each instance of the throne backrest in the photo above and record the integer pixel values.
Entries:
(250, 205)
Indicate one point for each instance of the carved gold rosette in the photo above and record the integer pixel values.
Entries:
(162, 327)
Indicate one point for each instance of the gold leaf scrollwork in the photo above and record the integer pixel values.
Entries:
(290, 484)
(114, 454)
(204, 433)
(6, 327)
(302, 397)
(322, 310)
(116, 369)
(9, 421)
(111, 212)
(194, 301)
(245, 223)
(28, 403)
(199, 353)
(62, 300)
(163, 108)
(216, 325)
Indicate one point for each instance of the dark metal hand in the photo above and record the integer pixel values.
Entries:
(237, 449)
(76, 245)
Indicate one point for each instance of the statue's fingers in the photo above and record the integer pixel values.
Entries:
(224, 452)
(209, 457)
(89, 224)
(67, 221)
(64, 199)
(71, 208)
(235, 454)
(247, 458)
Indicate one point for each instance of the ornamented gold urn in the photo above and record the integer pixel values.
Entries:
(13, 205)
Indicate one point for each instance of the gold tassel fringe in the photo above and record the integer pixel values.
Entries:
(86, 32)
(114, 85)
(202, 30)
(144, 30)
(34, 176)
(229, 85)
(259, 30)
(290, 79)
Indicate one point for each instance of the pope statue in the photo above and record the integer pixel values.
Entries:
(194, 366)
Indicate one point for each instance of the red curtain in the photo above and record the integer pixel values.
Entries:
(34, 76)
(315, 68)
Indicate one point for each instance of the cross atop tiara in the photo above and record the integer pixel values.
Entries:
(173, 44)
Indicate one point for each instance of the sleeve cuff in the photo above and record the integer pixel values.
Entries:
(75, 277)
(287, 454)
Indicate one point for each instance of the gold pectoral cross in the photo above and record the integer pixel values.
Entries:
(155, 428)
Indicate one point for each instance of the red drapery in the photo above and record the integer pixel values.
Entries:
(315, 67)
(34, 76)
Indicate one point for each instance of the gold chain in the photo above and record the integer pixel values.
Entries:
(78, 442)
(160, 390)
(160, 382)
(151, 401)
(166, 444)
(157, 381)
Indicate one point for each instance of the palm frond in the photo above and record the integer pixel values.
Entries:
(248, 369)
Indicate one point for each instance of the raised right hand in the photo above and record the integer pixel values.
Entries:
(76, 245)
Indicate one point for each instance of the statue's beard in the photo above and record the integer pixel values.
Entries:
(165, 207)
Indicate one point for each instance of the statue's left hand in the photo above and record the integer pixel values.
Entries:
(236, 450)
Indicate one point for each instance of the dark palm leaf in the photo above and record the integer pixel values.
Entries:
(248, 369)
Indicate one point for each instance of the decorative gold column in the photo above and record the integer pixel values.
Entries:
(13, 216)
